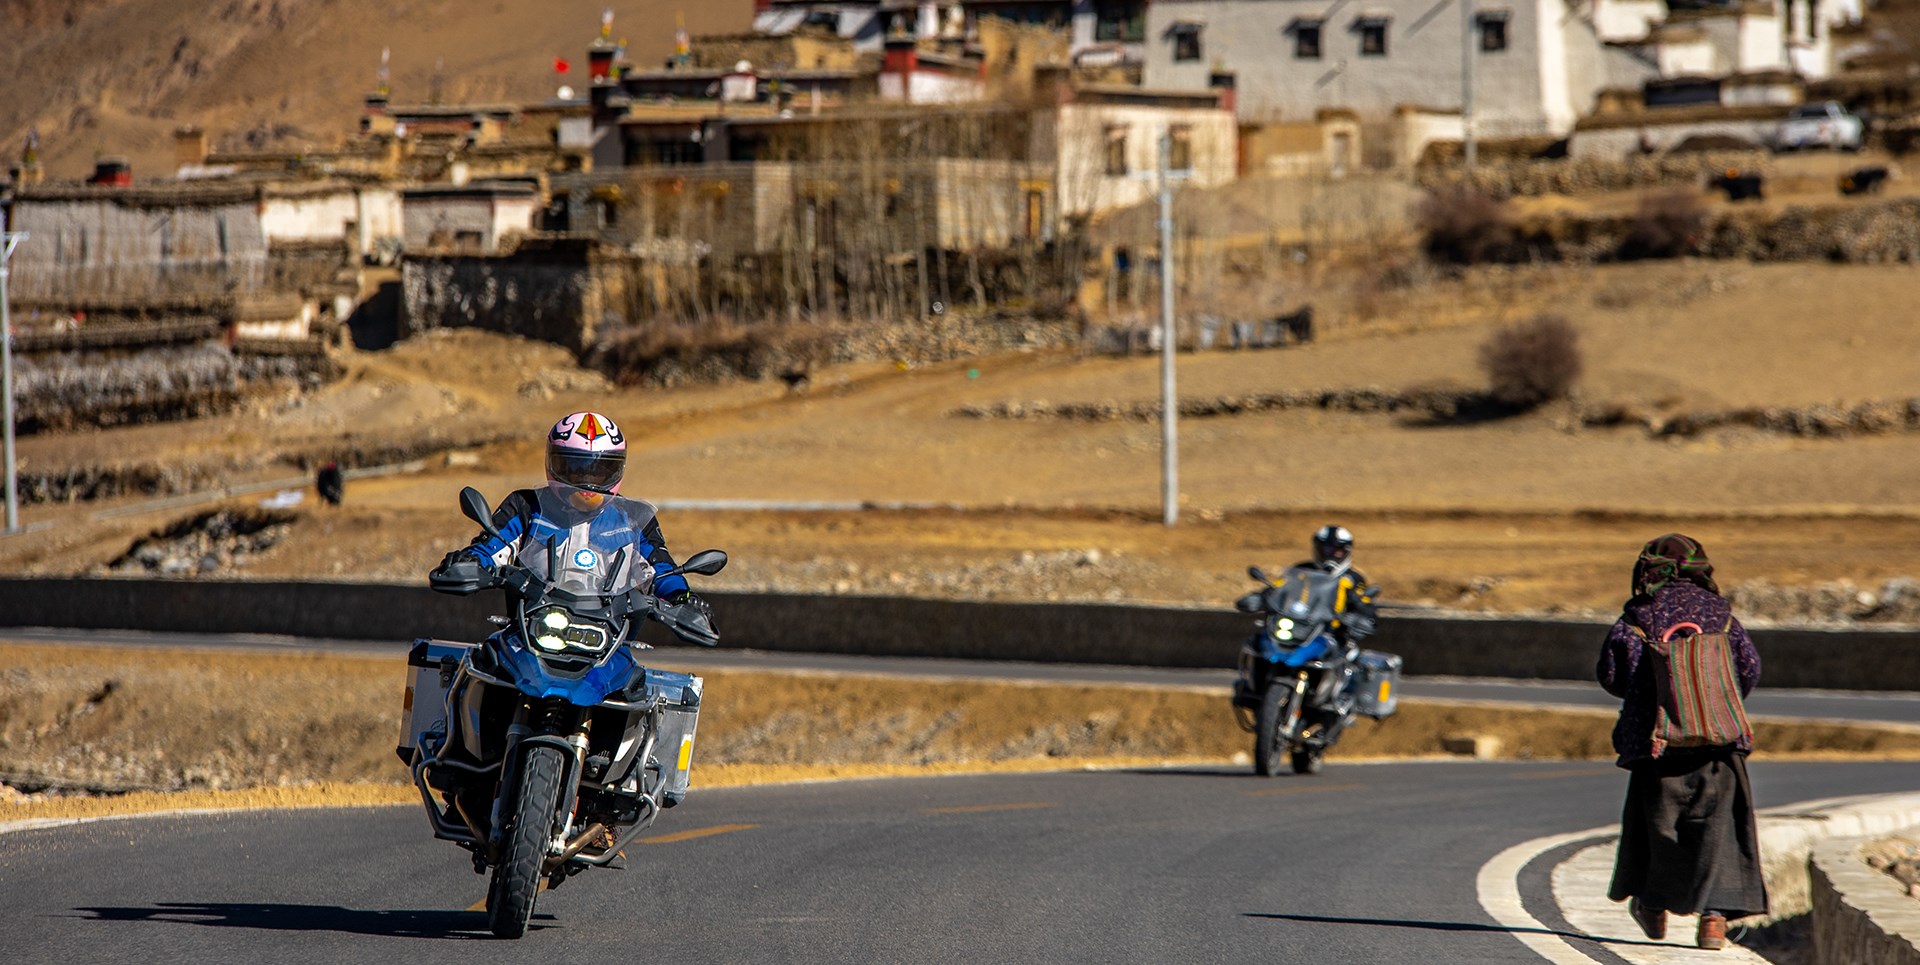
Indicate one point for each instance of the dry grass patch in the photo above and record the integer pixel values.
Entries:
(247, 730)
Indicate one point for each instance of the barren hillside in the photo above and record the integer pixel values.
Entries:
(116, 76)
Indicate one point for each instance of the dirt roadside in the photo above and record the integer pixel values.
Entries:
(249, 730)
(1525, 514)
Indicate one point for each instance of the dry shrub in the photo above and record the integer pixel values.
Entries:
(1667, 225)
(1532, 362)
(1464, 227)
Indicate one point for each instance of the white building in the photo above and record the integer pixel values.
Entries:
(1539, 64)
(474, 217)
(1107, 144)
(1538, 68)
(362, 215)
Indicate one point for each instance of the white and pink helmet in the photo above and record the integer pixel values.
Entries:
(587, 451)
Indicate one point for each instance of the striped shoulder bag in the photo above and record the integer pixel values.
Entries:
(1699, 690)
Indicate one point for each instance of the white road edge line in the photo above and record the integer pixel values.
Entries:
(1498, 884)
(37, 824)
(1499, 890)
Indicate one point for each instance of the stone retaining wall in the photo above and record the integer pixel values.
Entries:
(1432, 644)
(1860, 916)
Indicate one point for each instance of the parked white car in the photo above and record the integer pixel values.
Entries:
(1823, 124)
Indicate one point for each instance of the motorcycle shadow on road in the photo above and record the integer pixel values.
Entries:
(412, 923)
(1449, 926)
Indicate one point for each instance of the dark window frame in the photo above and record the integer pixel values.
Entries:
(1308, 39)
(1373, 35)
(1180, 147)
(1187, 46)
(1116, 160)
(1494, 37)
(1123, 21)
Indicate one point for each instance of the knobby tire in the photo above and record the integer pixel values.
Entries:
(516, 881)
(1267, 723)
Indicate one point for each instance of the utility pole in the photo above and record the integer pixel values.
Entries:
(8, 240)
(1470, 151)
(1169, 402)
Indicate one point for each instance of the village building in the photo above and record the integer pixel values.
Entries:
(482, 216)
(1538, 68)
(136, 243)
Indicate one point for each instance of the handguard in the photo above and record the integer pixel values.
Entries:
(459, 574)
(691, 620)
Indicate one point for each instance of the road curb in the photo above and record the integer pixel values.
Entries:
(1788, 837)
(1860, 915)
(1810, 857)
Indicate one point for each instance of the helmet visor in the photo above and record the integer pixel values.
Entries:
(595, 471)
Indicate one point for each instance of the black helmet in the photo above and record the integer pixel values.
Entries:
(1333, 545)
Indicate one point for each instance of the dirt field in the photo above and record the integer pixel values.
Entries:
(1532, 513)
(250, 68)
(157, 721)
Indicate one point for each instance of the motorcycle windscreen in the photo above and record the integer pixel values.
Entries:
(1308, 596)
(581, 552)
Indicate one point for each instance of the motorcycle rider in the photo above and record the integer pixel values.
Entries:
(1353, 607)
(586, 458)
(1333, 555)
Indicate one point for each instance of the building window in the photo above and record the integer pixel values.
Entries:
(1180, 154)
(1306, 39)
(1493, 31)
(1116, 152)
(1373, 36)
(1186, 42)
(1120, 20)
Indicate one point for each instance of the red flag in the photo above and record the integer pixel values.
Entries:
(560, 65)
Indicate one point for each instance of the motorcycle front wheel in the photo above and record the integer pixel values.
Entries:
(1279, 711)
(516, 880)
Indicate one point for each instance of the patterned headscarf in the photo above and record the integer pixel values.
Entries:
(1668, 558)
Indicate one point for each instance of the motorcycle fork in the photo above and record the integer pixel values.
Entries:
(545, 724)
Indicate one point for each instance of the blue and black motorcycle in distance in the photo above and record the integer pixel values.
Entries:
(1298, 686)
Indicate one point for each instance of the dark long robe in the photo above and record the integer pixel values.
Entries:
(1688, 840)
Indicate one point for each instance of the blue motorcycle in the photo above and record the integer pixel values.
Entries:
(1299, 685)
(546, 748)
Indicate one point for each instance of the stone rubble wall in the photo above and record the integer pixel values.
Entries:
(1860, 916)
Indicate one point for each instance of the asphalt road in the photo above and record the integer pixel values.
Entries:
(1765, 702)
(1361, 864)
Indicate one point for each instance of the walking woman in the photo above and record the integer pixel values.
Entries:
(1681, 665)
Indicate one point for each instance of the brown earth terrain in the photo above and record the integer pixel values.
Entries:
(117, 76)
(1534, 513)
(116, 720)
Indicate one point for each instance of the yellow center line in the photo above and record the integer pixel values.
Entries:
(977, 808)
(1275, 792)
(696, 833)
(1568, 772)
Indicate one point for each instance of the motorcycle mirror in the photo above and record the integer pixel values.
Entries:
(475, 506)
(1258, 574)
(705, 563)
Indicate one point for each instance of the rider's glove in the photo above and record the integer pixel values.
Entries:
(703, 610)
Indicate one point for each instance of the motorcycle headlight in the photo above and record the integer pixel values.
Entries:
(1283, 629)
(553, 629)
